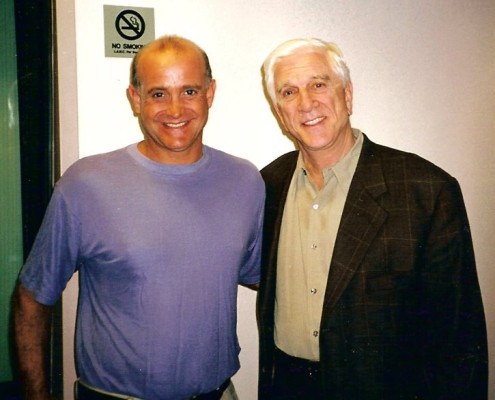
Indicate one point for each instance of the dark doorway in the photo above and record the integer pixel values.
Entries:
(28, 166)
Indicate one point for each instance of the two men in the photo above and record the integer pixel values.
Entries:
(369, 287)
(161, 232)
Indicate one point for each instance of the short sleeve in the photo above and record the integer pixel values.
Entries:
(53, 257)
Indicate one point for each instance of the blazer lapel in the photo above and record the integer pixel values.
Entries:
(362, 218)
(276, 197)
(277, 182)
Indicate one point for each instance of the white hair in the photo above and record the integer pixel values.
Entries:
(288, 48)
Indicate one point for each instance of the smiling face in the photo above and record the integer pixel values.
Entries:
(172, 103)
(313, 105)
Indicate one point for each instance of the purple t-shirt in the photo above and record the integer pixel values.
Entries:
(160, 250)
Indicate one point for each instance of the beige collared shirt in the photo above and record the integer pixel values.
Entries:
(307, 237)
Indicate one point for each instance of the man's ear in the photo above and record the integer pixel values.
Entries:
(135, 99)
(210, 92)
(348, 97)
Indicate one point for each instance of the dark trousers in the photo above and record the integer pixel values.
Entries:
(296, 378)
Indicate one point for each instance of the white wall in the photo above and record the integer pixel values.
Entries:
(424, 79)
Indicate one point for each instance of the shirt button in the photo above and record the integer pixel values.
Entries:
(314, 246)
(313, 291)
(315, 333)
(315, 206)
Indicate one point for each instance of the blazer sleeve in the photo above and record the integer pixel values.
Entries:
(454, 317)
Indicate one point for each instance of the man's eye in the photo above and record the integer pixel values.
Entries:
(190, 92)
(319, 85)
(157, 95)
(287, 93)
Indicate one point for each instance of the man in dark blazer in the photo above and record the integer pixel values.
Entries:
(369, 287)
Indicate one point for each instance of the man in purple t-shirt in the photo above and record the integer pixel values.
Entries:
(161, 232)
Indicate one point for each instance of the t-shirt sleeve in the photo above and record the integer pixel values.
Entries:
(53, 257)
(250, 272)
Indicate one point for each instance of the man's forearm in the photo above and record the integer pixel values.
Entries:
(32, 322)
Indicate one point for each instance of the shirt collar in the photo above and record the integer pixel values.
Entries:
(344, 169)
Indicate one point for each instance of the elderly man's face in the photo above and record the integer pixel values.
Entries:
(172, 103)
(311, 101)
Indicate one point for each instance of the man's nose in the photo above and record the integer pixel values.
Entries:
(306, 101)
(174, 108)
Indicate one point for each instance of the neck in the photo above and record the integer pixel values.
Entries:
(188, 156)
(316, 161)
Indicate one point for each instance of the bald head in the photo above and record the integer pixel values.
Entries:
(169, 43)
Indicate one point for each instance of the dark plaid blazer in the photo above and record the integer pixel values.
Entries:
(402, 315)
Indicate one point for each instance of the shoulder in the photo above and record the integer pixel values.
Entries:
(281, 166)
(395, 163)
(235, 164)
(94, 168)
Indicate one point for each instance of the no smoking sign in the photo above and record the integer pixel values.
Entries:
(130, 25)
(127, 29)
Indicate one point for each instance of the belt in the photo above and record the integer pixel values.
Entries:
(83, 391)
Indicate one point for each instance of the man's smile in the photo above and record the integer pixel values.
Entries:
(177, 125)
(314, 121)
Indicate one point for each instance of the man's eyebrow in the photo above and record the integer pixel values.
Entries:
(153, 89)
(282, 86)
(322, 77)
(317, 77)
(182, 88)
(195, 87)
(156, 89)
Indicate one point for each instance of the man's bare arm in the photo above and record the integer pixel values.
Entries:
(32, 322)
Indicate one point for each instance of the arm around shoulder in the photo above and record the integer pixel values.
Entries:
(32, 322)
